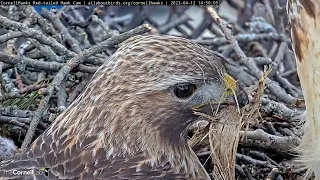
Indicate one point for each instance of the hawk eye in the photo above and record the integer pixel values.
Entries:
(184, 91)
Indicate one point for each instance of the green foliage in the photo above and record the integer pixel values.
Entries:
(26, 101)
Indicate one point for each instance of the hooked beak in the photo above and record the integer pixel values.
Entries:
(240, 97)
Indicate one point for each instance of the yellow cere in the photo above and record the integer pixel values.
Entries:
(230, 83)
(230, 86)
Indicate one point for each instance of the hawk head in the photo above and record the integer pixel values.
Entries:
(144, 96)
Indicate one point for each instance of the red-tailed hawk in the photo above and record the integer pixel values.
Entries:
(132, 118)
(304, 16)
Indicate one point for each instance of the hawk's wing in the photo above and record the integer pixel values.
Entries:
(72, 161)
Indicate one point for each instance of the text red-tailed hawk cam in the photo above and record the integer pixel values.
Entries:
(132, 118)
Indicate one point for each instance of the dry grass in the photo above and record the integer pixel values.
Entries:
(223, 132)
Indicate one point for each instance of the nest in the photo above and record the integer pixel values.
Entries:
(44, 68)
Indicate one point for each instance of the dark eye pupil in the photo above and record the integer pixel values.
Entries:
(184, 91)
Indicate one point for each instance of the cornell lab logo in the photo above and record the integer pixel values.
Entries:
(19, 172)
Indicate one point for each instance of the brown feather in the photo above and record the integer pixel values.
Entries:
(127, 124)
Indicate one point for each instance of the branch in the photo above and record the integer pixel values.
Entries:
(254, 70)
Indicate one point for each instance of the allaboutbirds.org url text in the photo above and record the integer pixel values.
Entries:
(85, 3)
